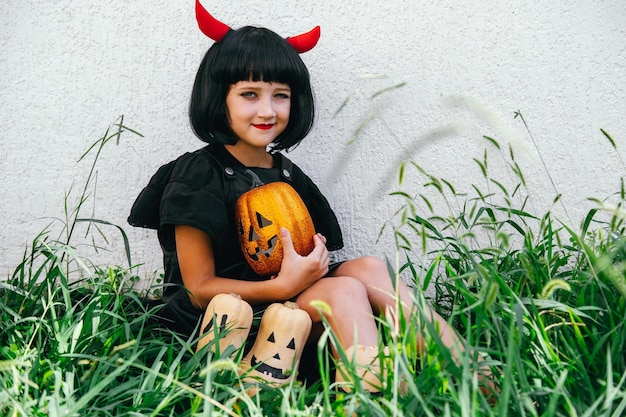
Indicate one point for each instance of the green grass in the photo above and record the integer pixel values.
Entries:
(541, 299)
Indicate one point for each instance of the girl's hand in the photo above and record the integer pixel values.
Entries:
(298, 272)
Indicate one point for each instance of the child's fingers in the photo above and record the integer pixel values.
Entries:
(318, 255)
(285, 238)
(320, 251)
(319, 243)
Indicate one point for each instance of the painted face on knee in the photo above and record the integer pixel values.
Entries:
(275, 356)
(282, 334)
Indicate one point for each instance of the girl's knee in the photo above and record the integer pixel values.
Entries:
(337, 292)
(365, 264)
(374, 263)
(346, 289)
(343, 296)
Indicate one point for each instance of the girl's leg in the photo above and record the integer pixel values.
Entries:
(352, 318)
(374, 275)
(352, 321)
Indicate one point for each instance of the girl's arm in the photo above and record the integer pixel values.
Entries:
(197, 266)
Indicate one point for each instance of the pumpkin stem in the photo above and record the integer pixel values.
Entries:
(256, 181)
(291, 304)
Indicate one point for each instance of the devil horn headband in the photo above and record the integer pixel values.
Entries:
(216, 30)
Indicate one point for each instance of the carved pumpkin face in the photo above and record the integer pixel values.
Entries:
(230, 318)
(276, 352)
(260, 213)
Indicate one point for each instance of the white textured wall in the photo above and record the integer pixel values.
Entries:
(70, 68)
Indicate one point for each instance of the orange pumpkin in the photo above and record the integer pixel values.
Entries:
(276, 353)
(228, 317)
(260, 213)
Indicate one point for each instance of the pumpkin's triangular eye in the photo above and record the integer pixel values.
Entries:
(271, 338)
(292, 344)
(262, 221)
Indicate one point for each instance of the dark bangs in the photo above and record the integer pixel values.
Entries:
(250, 54)
(257, 54)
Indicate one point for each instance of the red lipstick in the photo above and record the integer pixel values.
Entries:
(263, 127)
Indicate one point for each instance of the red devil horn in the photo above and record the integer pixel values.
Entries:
(209, 25)
(306, 41)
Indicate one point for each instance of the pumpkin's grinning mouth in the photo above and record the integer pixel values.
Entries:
(266, 369)
(259, 252)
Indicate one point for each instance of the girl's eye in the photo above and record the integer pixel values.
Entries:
(249, 94)
(282, 95)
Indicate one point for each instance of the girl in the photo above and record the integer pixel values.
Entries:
(251, 99)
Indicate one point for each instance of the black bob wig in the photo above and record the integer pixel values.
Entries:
(249, 54)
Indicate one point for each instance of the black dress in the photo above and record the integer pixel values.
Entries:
(200, 189)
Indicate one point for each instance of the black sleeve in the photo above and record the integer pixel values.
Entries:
(194, 197)
(186, 191)
(145, 209)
